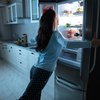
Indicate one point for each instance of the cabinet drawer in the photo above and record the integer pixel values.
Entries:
(22, 64)
(32, 59)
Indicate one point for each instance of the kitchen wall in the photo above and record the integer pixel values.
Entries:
(5, 30)
(30, 29)
(26, 28)
(13, 31)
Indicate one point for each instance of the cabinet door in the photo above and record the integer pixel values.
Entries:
(33, 58)
(4, 52)
(9, 14)
(14, 13)
(34, 10)
(22, 59)
(0, 49)
(17, 13)
(6, 15)
(11, 54)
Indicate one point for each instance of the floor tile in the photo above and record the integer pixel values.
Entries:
(13, 83)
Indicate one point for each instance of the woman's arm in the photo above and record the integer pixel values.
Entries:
(60, 38)
(72, 43)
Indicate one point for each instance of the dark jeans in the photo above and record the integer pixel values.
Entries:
(38, 79)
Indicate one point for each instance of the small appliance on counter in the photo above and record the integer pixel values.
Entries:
(24, 39)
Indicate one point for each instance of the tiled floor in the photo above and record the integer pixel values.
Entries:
(13, 83)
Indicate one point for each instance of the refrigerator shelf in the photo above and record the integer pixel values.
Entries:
(71, 63)
(74, 51)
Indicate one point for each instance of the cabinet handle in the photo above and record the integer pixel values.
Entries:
(32, 53)
(9, 50)
(19, 53)
(10, 47)
(19, 50)
(20, 62)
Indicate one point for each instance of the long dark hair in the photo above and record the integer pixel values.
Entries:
(45, 29)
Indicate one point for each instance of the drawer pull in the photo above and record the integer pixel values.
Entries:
(20, 54)
(20, 62)
(32, 53)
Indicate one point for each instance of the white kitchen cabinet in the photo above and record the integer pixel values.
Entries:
(34, 10)
(18, 57)
(22, 58)
(15, 55)
(32, 59)
(6, 14)
(0, 49)
(11, 54)
(14, 13)
(4, 53)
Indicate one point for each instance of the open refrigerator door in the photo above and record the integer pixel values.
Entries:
(71, 19)
(73, 63)
(70, 16)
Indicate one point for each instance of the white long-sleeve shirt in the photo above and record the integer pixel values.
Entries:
(47, 58)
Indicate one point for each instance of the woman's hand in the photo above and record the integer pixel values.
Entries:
(56, 22)
(95, 42)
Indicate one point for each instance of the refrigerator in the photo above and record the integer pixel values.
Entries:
(78, 66)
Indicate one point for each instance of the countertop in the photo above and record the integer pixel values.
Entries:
(30, 47)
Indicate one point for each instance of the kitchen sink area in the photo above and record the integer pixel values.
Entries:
(32, 47)
(18, 55)
(28, 45)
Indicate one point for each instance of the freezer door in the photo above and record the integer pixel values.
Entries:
(65, 90)
(94, 76)
(69, 71)
(89, 30)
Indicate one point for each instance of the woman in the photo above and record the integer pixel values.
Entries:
(49, 45)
